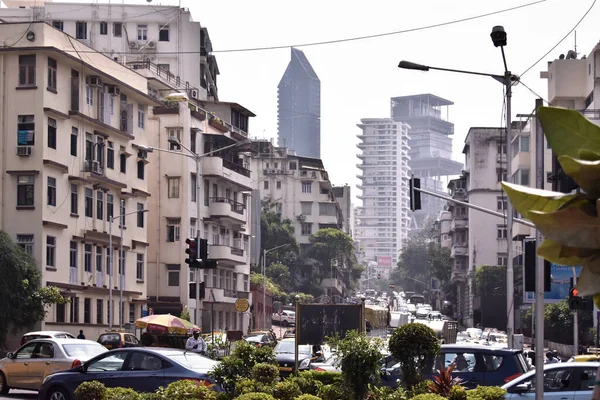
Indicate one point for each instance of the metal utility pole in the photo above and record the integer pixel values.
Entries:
(575, 320)
(539, 263)
(264, 271)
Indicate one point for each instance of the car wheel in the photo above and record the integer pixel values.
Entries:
(57, 393)
(285, 323)
(3, 385)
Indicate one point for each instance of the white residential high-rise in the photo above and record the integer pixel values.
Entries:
(382, 223)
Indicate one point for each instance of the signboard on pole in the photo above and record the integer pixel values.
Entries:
(560, 280)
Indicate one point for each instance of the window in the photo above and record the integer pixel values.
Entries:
(501, 148)
(306, 207)
(108, 262)
(81, 30)
(141, 165)
(293, 165)
(555, 380)
(87, 311)
(25, 130)
(163, 67)
(142, 32)
(140, 215)
(109, 207)
(74, 135)
(502, 203)
(52, 70)
(89, 95)
(99, 311)
(460, 211)
(99, 256)
(123, 212)
(60, 312)
(74, 309)
(206, 192)
(173, 228)
(524, 145)
(501, 232)
(51, 191)
(110, 155)
(121, 262)
(87, 257)
(464, 362)
(139, 267)
(52, 133)
(60, 26)
(588, 377)
(103, 28)
(25, 190)
(89, 203)
(193, 184)
(123, 163)
(523, 177)
(73, 255)
(266, 185)
(173, 278)
(502, 257)
(193, 141)
(51, 251)
(132, 318)
(100, 205)
(174, 132)
(306, 187)
(163, 34)
(26, 243)
(27, 70)
(501, 176)
(306, 229)
(141, 115)
(111, 105)
(173, 188)
(89, 147)
(117, 29)
(100, 150)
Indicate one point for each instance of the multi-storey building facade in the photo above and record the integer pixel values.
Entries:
(382, 222)
(343, 196)
(300, 189)
(165, 36)
(430, 148)
(299, 108)
(72, 123)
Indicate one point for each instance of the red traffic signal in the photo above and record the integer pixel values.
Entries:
(192, 252)
(575, 301)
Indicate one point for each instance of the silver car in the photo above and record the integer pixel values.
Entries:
(27, 367)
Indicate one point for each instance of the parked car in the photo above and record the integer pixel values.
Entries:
(45, 335)
(332, 364)
(118, 340)
(289, 333)
(220, 348)
(475, 365)
(573, 381)
(29, 365)
(260, 339)
(286, 318)
(143, 369)
(285, 354)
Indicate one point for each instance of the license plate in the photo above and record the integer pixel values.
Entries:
(285, 368)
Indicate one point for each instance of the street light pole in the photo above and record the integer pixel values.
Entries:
(264, 272)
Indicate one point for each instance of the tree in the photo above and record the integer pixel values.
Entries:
(23, 300)
(490, 280)
(275, 231)
(279, 274)
(330, 245)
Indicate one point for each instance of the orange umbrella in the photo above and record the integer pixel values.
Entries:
(166, 323)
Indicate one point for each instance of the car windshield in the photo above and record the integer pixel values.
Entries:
(111, 337)
(287, 347)
(88, 350)
(254, 338)
(192, 360)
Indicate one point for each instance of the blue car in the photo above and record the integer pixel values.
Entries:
(143, 369)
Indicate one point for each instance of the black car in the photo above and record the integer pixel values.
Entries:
(139, 368)
(474, 364)
(284, 352)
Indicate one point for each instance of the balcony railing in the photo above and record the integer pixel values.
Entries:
(235, 206)
(236, 168)
(236, 294)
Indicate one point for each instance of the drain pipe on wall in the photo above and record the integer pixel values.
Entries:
(158, 155)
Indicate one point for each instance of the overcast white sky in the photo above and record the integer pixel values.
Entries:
(359, 77)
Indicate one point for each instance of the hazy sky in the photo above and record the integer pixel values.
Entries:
(359, 77)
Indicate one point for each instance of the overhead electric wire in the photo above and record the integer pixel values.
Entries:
(561, 40)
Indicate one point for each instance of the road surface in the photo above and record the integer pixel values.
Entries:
(20, 395)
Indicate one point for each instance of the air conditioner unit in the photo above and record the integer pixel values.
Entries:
(133, 45)
(151, 45)
(94, 80)
(96, 167)
(301, 217)
(24, 150)
(114, 90)
(142, 154)
(194, 94)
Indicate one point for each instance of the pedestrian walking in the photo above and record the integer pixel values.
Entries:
(81, 335)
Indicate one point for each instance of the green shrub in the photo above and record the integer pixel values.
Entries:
(92, 390)
(419, 388)
(308, 397)
(286, 390)
(325, 377)
(265, 373)
(119, 393)
(187, 390)
(153, 396)
(332, 392)
(458, 393)
(307, 383)
(486, 393)
(386, 393)
(428, 396)
(256, 396)
(246, 385)
(415, 346)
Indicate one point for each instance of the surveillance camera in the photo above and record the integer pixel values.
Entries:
(498, 36)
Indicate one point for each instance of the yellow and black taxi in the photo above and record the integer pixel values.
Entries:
(118, 340)
(284, 352)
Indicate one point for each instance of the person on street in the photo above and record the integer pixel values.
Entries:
(196, 344)
(550, 358)
(81, 335)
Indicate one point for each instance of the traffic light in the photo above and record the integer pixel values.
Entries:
(415, 195)
(203, 249)
(575, 301)
(192, 252)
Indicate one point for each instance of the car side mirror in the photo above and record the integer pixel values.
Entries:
(522, 388)
(10, 355)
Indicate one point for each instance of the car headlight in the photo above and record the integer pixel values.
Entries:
(305, 363)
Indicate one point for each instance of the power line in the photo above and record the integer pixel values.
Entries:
(561, 40)
(351, 39)
(534, 92)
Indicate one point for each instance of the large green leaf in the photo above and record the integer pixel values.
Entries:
(574, 226)
(565, 255)
(568, 131)
(588, 155)
(585, 173)
(525, 199)
(588, 283)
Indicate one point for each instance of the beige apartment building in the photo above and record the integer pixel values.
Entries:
(72, 120)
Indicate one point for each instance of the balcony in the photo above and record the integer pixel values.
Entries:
(459, 223)
(224, 208)
(459, 250)
(458, 275)
(232, 172)
(521, 160)
(227, 255)
(501, 159)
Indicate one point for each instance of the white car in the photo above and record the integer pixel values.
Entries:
(27, 367)
(285, 318)
(45, 335)
(422, 313)
(572, 381)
